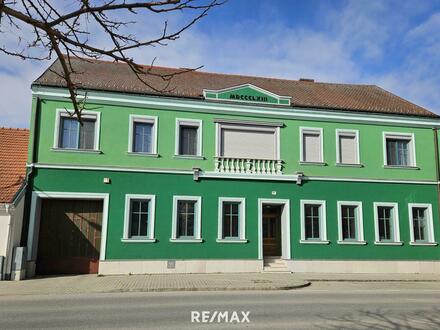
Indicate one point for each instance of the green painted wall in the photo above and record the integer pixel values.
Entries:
(114, 144)
(164, 186)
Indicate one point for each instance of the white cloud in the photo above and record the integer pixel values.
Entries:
(346, 46)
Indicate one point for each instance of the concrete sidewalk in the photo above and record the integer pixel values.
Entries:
(151, 283)
(195, 282)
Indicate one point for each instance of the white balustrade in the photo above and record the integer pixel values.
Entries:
(248, 166)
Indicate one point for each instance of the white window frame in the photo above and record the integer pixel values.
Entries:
(312, 130)
(360, 223)
(241, 220)
(430, 223)
(396, 227)
(70, 114)
(322, 222)
(151, 219)
(247, 126)
(189, 122)
(143, 119)
(412, 150)
(197, 220)
(351, 133)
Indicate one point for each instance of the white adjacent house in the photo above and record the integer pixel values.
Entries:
(13, 155)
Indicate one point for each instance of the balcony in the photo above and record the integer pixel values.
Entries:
(248, 166)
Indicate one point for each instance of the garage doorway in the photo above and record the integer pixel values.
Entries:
(70, 236)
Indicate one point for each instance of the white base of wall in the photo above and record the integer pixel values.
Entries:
(356, 266)
(181, 266)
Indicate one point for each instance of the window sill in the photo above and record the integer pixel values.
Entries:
(304, 241)
(223, 240)
(313, 163)
(348, 165)
(387, 243)
(87, 151)
(352, 242)
(142, 154)
(138, 240)
(186, 240)
(189, 157)
(423, 243)
(402, 167)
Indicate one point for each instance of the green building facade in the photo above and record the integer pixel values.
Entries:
(230, 174)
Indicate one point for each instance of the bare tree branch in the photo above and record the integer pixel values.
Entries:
(66, 34)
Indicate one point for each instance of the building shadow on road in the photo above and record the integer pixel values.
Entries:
(379, 319)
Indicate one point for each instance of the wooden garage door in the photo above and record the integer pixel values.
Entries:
(70, 236)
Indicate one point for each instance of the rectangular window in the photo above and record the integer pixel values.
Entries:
(142, 137)
(186, 219)
(313, 226)
(386, 222)
(350, 222)
(73, 135)
(312, 214)
(188, 140)
(420, 224)
(311, 145)
(347, 147)
(188, 137)
(231, 216)
(139, 218)
(399, 149)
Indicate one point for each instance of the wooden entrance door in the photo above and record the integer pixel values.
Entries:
(272, 230)
(69, 237)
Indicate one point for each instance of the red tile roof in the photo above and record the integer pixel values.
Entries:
(117, 77)
(13, 156)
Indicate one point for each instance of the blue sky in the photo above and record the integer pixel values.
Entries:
(393, 44)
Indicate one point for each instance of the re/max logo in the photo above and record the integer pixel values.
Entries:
(220, 317)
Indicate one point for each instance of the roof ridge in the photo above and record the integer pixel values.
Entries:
(225, 74)
(14, 128)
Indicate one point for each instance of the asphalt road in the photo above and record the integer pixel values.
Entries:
(323, 305)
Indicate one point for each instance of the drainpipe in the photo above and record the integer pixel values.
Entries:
(437, 168)
(29, 174)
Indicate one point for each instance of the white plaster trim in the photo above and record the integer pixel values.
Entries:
(143, 119)
(186, 240)
(352, 133)
(241, 219)
(352, 242)
(193, 123)
(429, 223)
(285, 226)
(84, 114)
(234, 241)
(283, 177)
(132, 240)
(360, 222)
(314, 242)
(412, 145)
(388, 243)
(34, 221)
(216, 107)
(197, 219)
(322, 221)
(313, 130)
(396, 223)
(151, 217)
(259, 89)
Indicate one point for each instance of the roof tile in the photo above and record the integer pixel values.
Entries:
(117, 77)
(13, 155)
